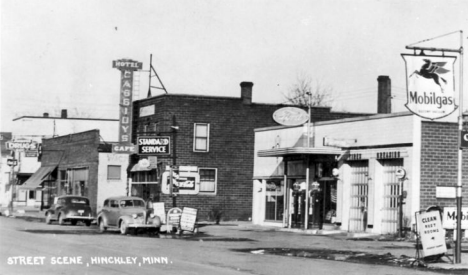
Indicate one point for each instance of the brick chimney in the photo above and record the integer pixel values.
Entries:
(384, 97)
(64, 113)
(246, 92)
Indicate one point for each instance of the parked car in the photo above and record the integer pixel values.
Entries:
(70, 208)
(125, 213)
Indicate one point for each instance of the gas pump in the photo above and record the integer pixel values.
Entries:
(316, 205)
(299, 197)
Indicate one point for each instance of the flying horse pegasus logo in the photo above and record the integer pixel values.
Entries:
(431, 70)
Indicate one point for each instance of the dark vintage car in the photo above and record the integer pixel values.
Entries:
(70, 208)
(125, 213)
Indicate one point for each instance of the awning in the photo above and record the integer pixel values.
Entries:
(138, 168)
(35, 181)
(281, 152)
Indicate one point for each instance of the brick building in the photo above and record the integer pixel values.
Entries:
(80, 164)
(215, 134)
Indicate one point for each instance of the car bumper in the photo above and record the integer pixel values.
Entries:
(138, 225)
(81, 218)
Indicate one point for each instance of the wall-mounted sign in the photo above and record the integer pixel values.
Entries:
(127, 67)
(463, 139)
(21, 145)
(185, 181)
(431, 233)
(338, 142)
(388, 155)
(147, 110)
(430, 85)
(123, 149)
(450, 217)
(445, 192)
(188, 219)
(154, 145)
(126, 64)
(290, 116)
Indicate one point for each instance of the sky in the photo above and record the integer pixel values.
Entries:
(57, 54)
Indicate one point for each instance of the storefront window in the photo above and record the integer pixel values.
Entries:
(74, 182)
(274, 201)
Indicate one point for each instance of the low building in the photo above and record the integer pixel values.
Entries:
(32, 130)
(80, 164)
(354, 173)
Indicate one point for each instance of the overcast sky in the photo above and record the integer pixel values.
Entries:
(57, 54)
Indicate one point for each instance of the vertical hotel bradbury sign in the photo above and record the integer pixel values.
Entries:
(126, 67)
(430, 85)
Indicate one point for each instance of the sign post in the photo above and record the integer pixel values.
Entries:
(12, 163)
(436, 87)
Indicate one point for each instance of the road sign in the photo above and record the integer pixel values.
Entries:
(12, 162)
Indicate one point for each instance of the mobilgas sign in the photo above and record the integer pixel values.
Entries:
(430, 85)
(463, 139)
(154, 146)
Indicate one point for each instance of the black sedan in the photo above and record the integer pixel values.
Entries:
(70, 208)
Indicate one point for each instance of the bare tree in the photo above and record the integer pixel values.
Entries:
(320, 95)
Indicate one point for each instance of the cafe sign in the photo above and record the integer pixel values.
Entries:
(290, 116)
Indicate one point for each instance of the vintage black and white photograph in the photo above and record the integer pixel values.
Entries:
(233, 137)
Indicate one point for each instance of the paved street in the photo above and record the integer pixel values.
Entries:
(32, 247)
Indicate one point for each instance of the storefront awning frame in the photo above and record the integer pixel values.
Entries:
(35, 181)
(281, 152)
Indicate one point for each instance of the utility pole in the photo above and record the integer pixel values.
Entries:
(12, 163)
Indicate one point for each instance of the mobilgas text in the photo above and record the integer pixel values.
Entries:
(430, 98)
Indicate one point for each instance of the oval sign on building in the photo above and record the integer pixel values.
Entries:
(290, 116)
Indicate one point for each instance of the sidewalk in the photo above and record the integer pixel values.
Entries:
(274, 237)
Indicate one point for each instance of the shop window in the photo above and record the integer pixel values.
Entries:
(274, 201)
(208, 180)
(74, 181)
(201, 137)
(114, 172)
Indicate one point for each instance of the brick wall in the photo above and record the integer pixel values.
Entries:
(73, 151)
(439, 162)
(231, 148)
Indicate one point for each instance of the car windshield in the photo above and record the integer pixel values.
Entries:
(132, 203)
(83, 201)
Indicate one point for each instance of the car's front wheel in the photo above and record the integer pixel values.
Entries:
(123, 228)
(61, 220)
(48, 218)
(102, 227)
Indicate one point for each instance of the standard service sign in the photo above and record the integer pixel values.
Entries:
(154, 146)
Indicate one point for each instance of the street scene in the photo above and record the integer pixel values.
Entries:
(228, 248)
(233, 137)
